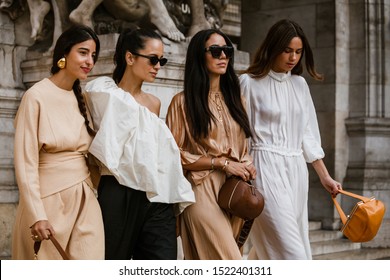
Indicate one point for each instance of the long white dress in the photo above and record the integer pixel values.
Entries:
(285, 137)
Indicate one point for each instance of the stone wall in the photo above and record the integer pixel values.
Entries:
(11, 89)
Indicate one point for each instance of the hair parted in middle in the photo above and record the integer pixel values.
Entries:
(197, 87)
(277, 40)
(74, 35)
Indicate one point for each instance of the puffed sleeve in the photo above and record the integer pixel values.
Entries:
(176, 121)
(26, 157)
(245, 97)
(311, 145)
(244, 86)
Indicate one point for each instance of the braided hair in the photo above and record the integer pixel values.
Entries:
(72, 36)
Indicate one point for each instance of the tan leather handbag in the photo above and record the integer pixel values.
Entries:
(365, 219)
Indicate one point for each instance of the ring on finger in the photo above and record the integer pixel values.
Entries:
(35, 237)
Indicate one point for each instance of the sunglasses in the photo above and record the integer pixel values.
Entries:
(216, 51)
(153, 59)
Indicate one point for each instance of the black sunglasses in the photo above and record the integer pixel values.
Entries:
(153, 59)
(216, 51)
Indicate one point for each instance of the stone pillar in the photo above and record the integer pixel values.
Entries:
(368, 124)
(11, 89)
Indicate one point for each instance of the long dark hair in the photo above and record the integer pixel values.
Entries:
(72, 36)
(131, 40)
(277, 40)
(197, 87)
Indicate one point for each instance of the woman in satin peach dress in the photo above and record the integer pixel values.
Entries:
(210, 126)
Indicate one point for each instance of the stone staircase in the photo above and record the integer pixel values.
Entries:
(331, 245)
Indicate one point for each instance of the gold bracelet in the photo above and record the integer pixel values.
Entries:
(225, 164)
(212, 163)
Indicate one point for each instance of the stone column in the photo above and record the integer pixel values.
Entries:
(368, 124)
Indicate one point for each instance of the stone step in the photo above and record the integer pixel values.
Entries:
(313, 225)
(360, 254)
(333, 246)
(324, 235)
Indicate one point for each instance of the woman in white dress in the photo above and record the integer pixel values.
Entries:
(285, 136)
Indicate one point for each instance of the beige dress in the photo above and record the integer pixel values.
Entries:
(208, 232)
(54, 183)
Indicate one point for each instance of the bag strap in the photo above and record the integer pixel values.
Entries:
(354, 195)
(246, 228)
(341, 212)
(37, 246)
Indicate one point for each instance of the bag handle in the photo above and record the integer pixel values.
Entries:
(354, 195)
(341, 212)
(37, 246)
(338, 207)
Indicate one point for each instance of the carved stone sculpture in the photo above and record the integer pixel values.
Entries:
(175, 19)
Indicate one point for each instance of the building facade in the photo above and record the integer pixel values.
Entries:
(351, 44)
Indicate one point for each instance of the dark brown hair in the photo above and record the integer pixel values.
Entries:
(277, 40)
(72, 36)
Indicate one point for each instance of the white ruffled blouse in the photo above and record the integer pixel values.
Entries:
(135, 145)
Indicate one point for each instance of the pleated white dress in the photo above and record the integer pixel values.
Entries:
(285, 137)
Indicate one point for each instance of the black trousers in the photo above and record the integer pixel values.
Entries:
(134, 227)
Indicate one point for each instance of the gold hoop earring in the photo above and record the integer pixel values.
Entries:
(61, 63)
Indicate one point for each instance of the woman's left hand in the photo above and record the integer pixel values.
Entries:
(241, 169)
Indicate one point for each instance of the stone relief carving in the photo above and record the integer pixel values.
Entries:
(174, 19)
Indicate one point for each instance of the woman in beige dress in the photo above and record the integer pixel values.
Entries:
(52, 137)
(210, 126)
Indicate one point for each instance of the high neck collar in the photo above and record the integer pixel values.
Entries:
(279, 76)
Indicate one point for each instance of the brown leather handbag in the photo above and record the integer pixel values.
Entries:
(240, 198)
(243, 200)
(365, 219)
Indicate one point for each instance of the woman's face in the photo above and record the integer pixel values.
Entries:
(287, 60)
(80, 60)
(142, 66)
(216, 65)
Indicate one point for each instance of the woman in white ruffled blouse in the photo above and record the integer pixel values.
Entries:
(285, 136)
(142, 187)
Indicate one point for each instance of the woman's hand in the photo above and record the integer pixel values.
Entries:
(241, 169)
(41, 230)
(331, 185)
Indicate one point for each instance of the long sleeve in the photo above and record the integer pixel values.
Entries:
(176, 122)
(225, 139)
(26, 157)
(311, 142)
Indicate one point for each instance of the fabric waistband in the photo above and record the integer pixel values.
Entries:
(58, 171)
(277, 149)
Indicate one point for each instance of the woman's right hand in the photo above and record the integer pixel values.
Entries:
(41, 230)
